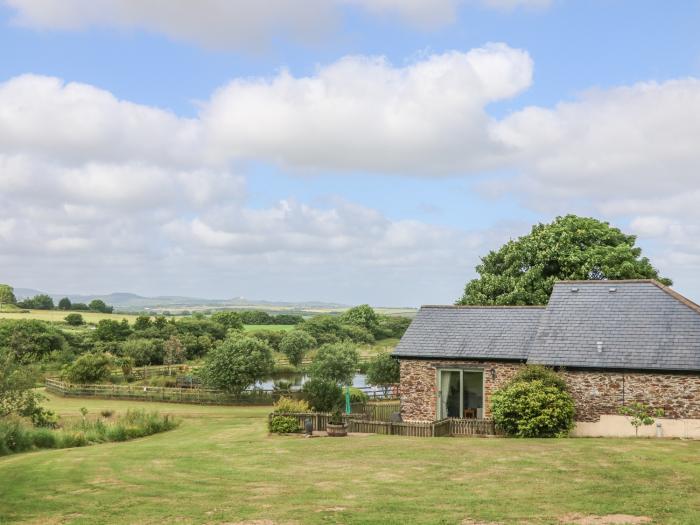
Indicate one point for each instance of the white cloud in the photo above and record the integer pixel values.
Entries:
(73, 122)
(362, 113)
(236, 24)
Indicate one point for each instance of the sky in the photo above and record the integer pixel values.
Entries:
(353, 151)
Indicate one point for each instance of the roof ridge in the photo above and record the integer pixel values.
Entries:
(678, 297)
(485, 306)
(606, 281)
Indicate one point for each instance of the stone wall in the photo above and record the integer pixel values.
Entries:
(595, 393)
(418, 388)
(600, 392)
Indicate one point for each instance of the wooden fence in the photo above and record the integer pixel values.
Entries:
(376, 410)
(441, 428)
(200, 396)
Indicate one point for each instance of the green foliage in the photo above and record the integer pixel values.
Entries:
(533, 409)
(356, 334)
(335, 362)
(236, 364)
(383, 371)
(17, 435)
(7, 294)
(80, 307)
(323, 328)
(229, 320)
(295, 344)
(640, 414)
(322, 394)
(391, 326)
(200, 327)
(173, 351)
(336, 417)
(143, 352)
(74, 319)
(30, 340)
(363, 315)
(89, 368)
(538, 372)
(523, 271)
(196, 346)
(112, 330)
(272, 337)
(98, 305)
(38, 302)
(142, 322)
(255, 317)
(287, 405)
(358, 396)
(283, 425)
(64, 304)
(17, 394)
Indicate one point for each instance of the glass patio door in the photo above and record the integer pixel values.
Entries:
(461, 393)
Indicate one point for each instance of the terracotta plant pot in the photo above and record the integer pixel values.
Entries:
(337, 430)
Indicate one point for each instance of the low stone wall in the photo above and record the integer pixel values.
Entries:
(619, 426)
(595, 393)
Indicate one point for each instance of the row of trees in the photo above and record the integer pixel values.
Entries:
(45, 302)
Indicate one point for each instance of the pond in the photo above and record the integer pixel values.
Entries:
(298, 380)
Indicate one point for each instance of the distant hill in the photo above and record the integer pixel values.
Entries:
(125, 301)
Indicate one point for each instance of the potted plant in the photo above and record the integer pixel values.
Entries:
(336, 426)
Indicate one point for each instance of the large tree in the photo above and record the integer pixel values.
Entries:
(7, 294)
(523, 271)
(236, 364)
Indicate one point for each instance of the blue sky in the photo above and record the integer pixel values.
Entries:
(587, 107)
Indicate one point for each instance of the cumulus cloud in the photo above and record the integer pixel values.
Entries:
(362, 113)
(231, 24)
(93, 186)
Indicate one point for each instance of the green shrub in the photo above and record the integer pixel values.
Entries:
(72, 439)
(284, 425)
(538, 372)
(89, 368)
(533, 409)
(74, 319)
(358, 396)
(44, 438)
(15, 435)
(323, 395)
(286, 405)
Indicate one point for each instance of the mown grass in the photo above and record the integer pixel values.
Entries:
(220, 465)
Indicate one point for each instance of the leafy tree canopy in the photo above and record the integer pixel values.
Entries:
(64, 304)
(523, 271)
(98, 305)
(383, 371)
(236, 364)
(295, 344)
(335, 362)
(363, 315)
(7, 294)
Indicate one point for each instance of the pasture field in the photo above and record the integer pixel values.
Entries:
(60, 315)
(281, 327)
(221, 466)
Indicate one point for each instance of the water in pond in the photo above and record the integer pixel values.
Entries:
(297, 381)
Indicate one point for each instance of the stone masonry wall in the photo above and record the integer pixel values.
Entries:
(418, 388)
(595, 392)
(602, 392)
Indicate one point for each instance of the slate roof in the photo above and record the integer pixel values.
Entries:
(641, 325)
(471, 332)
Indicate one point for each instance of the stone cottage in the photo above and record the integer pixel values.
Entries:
(614, 341)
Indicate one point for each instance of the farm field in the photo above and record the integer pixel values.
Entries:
(59, 316)
(220, 465)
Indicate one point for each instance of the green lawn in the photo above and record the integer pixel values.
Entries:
(220, 466)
